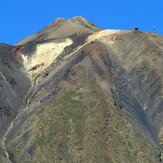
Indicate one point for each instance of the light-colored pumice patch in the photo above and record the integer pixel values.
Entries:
(102, 33)
(45, 54)
(106, 36)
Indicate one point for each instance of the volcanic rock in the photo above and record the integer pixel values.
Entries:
(74, 92)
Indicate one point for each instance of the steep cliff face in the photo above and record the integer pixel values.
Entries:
(83, 94)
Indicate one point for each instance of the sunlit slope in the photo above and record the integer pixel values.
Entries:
(95, 96)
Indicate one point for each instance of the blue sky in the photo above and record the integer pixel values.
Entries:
(22, 18)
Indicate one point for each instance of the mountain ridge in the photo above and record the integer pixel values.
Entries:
(83, 89)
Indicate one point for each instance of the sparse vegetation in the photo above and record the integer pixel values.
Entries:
(69, 121)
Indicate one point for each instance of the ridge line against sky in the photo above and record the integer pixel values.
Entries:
(20, 19)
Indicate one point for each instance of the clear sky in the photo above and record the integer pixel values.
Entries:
(22, 18)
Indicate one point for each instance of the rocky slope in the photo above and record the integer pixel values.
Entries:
(76, 93)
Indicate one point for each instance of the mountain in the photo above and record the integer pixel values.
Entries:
(74, 92)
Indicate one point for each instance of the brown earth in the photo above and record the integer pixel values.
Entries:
(99, 98)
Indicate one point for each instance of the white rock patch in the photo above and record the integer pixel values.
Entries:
(45, 54)
(100, 34)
